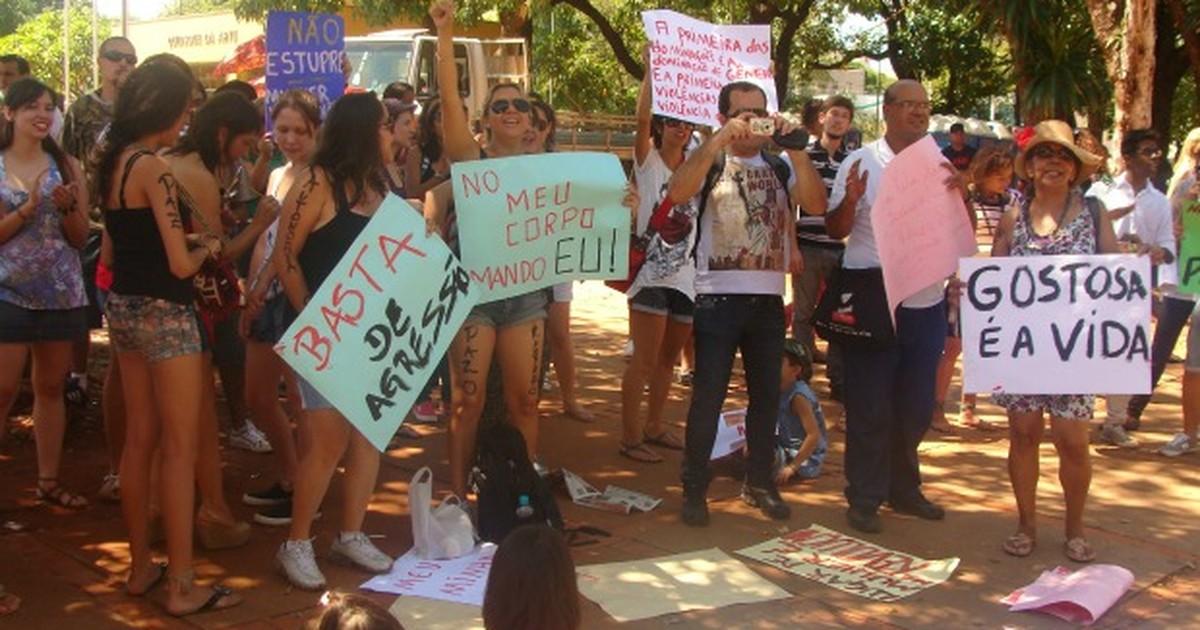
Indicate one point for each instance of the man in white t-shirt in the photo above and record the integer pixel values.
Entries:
(744, 252)
(889, 392)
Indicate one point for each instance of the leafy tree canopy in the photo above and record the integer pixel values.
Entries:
(39, 39)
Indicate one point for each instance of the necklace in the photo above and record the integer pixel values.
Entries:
(1062, 215)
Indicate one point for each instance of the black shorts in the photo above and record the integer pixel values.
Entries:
(23, 325)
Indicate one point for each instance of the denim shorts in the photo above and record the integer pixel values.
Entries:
(508, 312)
(310, 398)
(664, 301)
(23, 325)
(157, 329)
(269, 326)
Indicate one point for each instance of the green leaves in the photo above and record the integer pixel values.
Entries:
(40, 40)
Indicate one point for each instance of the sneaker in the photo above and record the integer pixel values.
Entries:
(278, 515)
(1115, 434)
(295, 559)
(74, 393)
(695, 510)
(249, 438)
(768, 500)
(1179, 445)
(686, 378)
(274, 495)
(919, 507)
(110, 488)
(865, 520)
(425, 413)
(355, 548)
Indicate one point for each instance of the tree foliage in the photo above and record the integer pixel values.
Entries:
(40, 40)
(17, 12)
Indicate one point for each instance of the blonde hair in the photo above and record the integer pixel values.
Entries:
(1186, 161)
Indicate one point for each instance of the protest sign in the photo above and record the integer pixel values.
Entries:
(613, 499)
(731, 433)
(435, 614)
(460, 580)
(1056, 324)
(851, 565)
(1081, 596)
(304, 52)
(921, 228)
(1189, 249)
(370, 337)
(525, 223)
(690, 61)
(699, 580)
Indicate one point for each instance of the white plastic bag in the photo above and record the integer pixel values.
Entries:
(442, 532)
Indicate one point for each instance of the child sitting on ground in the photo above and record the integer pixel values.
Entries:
(800, 441)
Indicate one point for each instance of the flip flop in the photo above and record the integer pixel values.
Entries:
(1079, 550)
(219, 594)
(159, 578)
(666, 439)
(639, 453)
(1019, 545)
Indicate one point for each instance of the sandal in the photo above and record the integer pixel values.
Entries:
(1079, 550)
(575, 412)
(221, 598)
(1019, 545)
(159, 577)
(666, 439)
(58, 494)
(640, 453)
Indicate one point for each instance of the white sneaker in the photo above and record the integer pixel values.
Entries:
(1115, 434)
(110, 488)
(249, 438)
(296, 560)
(627, 351)
(357, 549)
(1178, 445)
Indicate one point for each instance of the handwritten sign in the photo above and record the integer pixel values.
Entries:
(690, 61)
(376, 329)
(1056, 324)
(1189, 249)
(526, 223)
(851, 565)
(304, 51)
(731, 433)
(460, 580)
(921, 228)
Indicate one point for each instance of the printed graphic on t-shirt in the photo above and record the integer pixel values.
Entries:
(747, 207)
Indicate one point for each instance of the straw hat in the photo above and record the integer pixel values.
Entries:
(1060, 133)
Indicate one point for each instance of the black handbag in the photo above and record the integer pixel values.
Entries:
(853, 310)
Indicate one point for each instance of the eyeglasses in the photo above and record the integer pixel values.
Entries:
(1151, 153)
(673, 122)
(117, 56)
(1047, 151)
(500, 106)
(917, 106)
(757, 111)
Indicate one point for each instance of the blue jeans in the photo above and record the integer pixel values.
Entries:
(723, 325)
(889, 405)
(1173, 315)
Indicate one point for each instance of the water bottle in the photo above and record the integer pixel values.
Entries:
(524, 510)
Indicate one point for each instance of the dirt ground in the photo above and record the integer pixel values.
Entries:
(1143, 514)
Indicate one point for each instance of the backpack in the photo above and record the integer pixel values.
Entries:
(509, 493)
(783, 173)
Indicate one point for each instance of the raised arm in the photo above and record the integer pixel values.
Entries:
(460, 143)
(643, 143)
(848, 189)
(689, 178)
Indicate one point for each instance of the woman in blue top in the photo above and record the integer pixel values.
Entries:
(43, 221)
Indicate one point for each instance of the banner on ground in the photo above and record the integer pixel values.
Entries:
(1056, 324)
(851, 565)
(731, 433)
(461, 580)
(920, 230)
(690, 61)
(1189, 249)
(304, 52)
(370, 337)
(526, 223)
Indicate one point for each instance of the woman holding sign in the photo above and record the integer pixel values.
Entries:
(1053, 220)
(324, 212)
(513, 328)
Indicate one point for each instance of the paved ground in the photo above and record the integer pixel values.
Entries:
(1144, 514)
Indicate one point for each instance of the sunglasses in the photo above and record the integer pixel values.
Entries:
(673, 122)
(1047, 151)
(116, 56)
(501, 106)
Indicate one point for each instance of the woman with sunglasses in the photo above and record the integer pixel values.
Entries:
(1053, 219)
(206, 160)
(43, 223)
(324, 212)
(154, 329)
(662, 297)
(513, 328)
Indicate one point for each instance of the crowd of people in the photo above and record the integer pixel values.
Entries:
(167, 215)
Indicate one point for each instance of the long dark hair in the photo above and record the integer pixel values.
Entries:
(532, 583)
(19, 94)
(225, 110)
(152, 100)
(348, 150)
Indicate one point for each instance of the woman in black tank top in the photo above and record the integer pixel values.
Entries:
(325, 210)
(157, 341)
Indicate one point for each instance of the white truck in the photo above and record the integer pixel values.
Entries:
(408, 55)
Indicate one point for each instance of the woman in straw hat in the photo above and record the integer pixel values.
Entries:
(1054, 219)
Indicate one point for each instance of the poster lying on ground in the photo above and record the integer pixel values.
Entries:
(461, 580)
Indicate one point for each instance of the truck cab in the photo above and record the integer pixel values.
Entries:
(409, 55)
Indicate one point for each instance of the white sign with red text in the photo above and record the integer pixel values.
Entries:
(460, 580)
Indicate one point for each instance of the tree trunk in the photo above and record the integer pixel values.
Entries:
(1126, 32)
(1191, 36)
